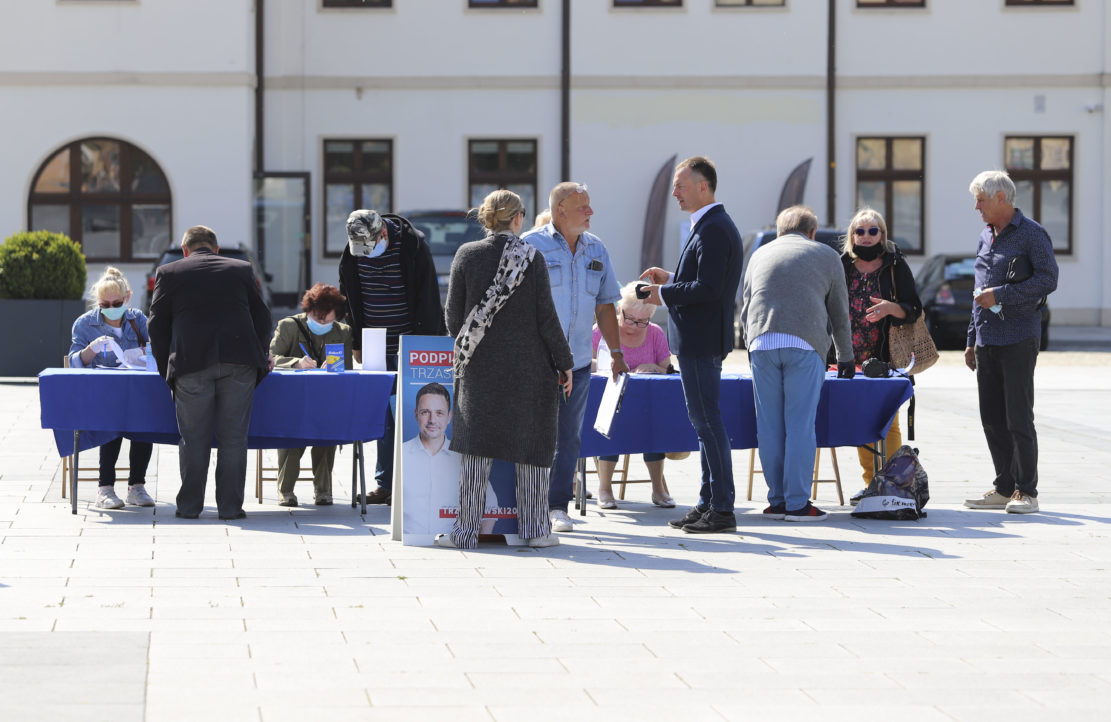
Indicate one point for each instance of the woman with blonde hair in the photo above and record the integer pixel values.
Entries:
(881, 294)
(109, 324)
(644, 346)
(508, 345)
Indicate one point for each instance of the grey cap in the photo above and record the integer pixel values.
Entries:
(364, 226)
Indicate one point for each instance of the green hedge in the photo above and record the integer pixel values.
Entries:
(41, 264)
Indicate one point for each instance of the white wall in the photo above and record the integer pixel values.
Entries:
(744, 86)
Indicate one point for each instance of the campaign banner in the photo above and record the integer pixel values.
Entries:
(428, 468)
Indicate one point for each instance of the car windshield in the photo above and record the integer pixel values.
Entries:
(445, 232)
(960, 268)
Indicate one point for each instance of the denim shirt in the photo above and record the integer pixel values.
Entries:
(91, 325)
(579, 283)
(1021, 318)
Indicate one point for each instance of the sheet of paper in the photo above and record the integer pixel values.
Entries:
(374, 349)
(611, 403)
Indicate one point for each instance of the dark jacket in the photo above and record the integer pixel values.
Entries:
(507, 402)
(701, 298)
(896, 284)
(207, 309)
(422, 289)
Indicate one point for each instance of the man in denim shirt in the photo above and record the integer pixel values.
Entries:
(1003, 340)
(584, 287)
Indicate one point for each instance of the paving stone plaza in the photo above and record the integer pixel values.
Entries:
(314, 613)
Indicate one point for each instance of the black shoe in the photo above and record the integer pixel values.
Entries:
(179, 515)
(713, 522)
(323, 501)
(807, 513)
(689, 518)
(855, 498)
(775, 511)
(379, 496)
(232, 517)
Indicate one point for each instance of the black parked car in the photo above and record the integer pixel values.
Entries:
(445, 231)
(752, 240)
(945, 288)
(244, 254)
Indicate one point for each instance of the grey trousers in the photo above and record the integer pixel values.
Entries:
(215, 402)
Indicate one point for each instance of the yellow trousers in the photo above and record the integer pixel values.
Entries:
(894, 441)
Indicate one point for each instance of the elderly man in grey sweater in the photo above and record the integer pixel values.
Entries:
(794, 293)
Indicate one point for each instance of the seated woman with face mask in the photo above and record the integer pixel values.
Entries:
(299, 342)
(112, 324)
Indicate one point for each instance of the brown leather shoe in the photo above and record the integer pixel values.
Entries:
(379, 496)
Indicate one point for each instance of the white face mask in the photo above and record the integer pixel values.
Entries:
(365, 248)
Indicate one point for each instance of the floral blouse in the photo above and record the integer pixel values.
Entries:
(866, 335)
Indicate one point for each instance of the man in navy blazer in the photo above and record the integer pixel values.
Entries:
(699, 297)
(210, 335)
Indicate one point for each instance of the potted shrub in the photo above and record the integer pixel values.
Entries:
(42, 280)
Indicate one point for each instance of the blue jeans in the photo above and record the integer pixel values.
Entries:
(569, 440)
(701, 377)
(787, 383)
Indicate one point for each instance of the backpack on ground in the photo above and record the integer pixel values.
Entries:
(899, 491)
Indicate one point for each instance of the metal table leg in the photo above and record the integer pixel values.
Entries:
(73, 471)
(362, 473)
(580, 495)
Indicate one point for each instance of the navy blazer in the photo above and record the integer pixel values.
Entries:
(208, 309)
(701, 297)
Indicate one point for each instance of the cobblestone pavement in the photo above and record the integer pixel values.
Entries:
(314, 612)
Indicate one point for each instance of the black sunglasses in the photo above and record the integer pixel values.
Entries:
(111, 304)
(873, 231)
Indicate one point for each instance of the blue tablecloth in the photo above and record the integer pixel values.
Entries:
(653, 415)
(290, 409)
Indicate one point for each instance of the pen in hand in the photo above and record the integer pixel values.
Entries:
(303, 349)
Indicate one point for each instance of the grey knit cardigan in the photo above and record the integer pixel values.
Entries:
(506, 404)
(795, 285)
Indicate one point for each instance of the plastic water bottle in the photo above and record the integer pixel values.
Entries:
(152, 365)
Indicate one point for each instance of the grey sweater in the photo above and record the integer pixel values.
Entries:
(506, 404)
(795, 285)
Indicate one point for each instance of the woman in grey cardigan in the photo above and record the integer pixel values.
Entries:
(508, 345)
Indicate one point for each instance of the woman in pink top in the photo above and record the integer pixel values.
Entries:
(645, 347)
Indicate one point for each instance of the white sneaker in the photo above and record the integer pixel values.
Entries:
(106, 498)
(544, 541)
(137, 496)
(990, 500)
(1022, 504)
(560, 521)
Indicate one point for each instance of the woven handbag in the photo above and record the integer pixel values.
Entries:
(910, 338)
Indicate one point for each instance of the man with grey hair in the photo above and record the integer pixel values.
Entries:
(387, 274)
(584, 288)
(1015, 270)
(794, 292)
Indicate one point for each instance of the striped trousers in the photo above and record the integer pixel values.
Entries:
(532, 500)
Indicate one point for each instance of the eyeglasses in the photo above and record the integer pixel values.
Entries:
(111, 304)
(873, 231)
(633, 322)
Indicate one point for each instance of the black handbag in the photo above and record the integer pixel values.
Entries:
(1020, 269)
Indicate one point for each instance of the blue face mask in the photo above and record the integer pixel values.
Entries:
(113, 314)
(318, 328)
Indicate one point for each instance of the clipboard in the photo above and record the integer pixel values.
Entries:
(610, 405)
